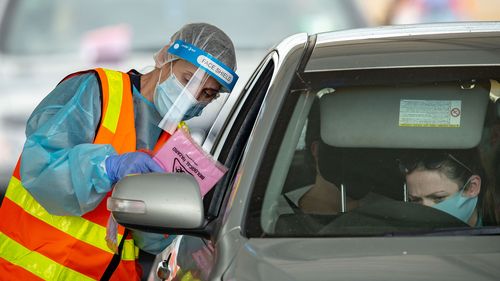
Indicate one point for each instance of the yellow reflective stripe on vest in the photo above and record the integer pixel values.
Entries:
(115, 89)
(95, 234)
(36, 263)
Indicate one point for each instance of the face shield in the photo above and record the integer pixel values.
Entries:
(194, 81)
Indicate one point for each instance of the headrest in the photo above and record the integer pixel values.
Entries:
(437, 115)
(360, 170)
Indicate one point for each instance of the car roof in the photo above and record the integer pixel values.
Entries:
(419, 45)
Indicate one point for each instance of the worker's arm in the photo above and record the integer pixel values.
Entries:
(60, 166)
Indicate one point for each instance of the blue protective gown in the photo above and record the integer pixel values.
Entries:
(61, 167)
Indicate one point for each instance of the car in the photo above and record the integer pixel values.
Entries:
(380, 93)
(42, 42)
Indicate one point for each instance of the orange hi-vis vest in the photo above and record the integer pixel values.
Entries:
(35, 245)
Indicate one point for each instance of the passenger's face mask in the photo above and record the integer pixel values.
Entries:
(458, 205)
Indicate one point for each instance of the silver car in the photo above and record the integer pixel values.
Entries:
(368, 99)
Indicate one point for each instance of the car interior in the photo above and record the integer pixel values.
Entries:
(362, 133)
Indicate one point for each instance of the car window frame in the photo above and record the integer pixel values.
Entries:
(231, 141)
(252, 226)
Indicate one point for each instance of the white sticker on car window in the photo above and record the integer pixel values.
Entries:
(430, 113)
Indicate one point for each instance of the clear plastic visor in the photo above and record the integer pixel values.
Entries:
(187, 90)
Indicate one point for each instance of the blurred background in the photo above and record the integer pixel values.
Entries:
(384, 12)
(43, 41)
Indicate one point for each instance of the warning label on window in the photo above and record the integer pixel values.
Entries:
(430, 113)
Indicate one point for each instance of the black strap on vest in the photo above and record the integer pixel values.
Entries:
(135, 79)
(115, 261)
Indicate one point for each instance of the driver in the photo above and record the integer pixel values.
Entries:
(353, 169)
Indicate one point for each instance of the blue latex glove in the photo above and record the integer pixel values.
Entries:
(118, 166)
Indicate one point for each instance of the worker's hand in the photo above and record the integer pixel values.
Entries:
(118, 166)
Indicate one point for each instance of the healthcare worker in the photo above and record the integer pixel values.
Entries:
(84, 137)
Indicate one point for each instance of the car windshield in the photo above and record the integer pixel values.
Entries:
(361, 156)
(68, 26)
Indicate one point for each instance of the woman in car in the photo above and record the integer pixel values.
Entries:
(453, 182)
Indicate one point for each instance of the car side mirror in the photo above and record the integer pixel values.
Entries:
(158, 202)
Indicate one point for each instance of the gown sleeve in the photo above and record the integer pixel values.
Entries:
(60, 166)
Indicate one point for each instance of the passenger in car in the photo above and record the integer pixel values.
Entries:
(451, 181)
(87, 134)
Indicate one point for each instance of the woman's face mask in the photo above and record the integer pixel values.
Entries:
(458, 205)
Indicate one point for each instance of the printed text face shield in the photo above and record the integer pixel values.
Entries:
(194, 81)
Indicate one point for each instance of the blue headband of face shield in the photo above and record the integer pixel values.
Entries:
(215, 68)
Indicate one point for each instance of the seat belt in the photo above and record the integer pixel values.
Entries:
(294, 207)
(310, 223)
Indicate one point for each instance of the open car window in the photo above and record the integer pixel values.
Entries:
(353, 160)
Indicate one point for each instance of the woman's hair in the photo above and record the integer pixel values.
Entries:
(458, 166)
(449, 165)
